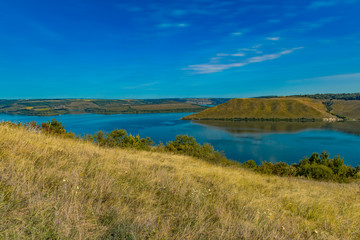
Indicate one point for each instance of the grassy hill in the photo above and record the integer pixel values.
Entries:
(265, 108)
(347, 108)
(57, 188)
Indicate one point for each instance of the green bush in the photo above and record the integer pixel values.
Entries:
(280, 169)
(319, 167)
(120, 138)
(187, 145)
(249, 164)
(323, 167)
(316, 171)
(56, 128)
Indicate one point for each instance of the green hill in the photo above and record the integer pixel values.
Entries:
(57, 188)
(265, 108)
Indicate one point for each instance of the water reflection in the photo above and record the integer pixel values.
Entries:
(242, 127)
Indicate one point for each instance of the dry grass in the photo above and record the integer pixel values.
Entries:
(349, 109)
(54, 188)
(266, 108)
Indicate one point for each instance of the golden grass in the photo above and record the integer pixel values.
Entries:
(266, 108)
(42, 109)
(54, 188)
(349, 109)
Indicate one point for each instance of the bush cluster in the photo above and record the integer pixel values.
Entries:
(120, 138)
(320, 167)
(187, 145)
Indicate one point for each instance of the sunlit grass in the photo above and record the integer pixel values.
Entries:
(266, 108)
(55, 188)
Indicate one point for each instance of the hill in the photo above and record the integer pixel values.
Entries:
(265, 108)
(57, 188)
(350, 109)
(50, 107)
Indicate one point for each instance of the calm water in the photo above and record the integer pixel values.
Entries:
(241, 141)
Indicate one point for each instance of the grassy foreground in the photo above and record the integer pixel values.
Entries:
(56, 188)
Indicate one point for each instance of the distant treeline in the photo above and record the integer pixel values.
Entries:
(327, 96)
(333, 96)
(319, 167)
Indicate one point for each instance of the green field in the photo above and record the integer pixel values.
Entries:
(102, 106)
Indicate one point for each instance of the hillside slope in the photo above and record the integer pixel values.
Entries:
(265, 108)
(55, 188)
(349, 109)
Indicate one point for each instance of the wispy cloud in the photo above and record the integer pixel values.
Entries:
(172, 25)
(320, 4)
(219, 67)
(237, 33)
(273, 38)
(329, 3)
(145, 85)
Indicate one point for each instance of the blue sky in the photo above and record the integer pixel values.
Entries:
(160, 49)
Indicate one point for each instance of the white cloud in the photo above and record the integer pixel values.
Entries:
(212, 68)
(267, 57)
(141, 85)
(320, 4)
(218, 67)
(222, 54)
(240, 54)
(329, 3)
(273, 38)
(172, 25)
(236, 33)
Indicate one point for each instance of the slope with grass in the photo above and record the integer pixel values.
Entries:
(264, 109)
(57, 188)
(346, 108)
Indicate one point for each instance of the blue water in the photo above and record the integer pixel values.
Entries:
(287, 142)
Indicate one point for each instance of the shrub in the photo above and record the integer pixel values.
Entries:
(280, 169)
(56, 128)
(249, 164)
(187, 145)
(120, 138)
(315, 171)
(319, 167)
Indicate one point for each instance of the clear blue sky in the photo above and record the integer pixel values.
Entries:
(187, 48)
